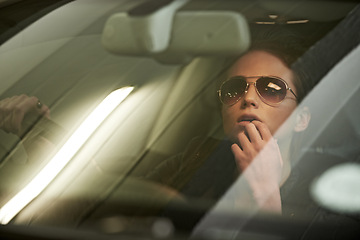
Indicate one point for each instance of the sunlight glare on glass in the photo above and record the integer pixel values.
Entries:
(297, 21)
(338, 188)
(63, 156)
(274, 86)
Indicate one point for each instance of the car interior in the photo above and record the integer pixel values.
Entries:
(71, 58)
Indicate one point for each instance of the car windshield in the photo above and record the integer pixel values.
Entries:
(169, 119)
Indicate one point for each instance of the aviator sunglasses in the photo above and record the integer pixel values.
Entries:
(272, 90)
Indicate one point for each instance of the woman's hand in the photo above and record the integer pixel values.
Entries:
(259, 160)
(15, 110)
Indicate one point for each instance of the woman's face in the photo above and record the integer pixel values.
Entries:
(250, 106)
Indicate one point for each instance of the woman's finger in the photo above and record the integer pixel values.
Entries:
(17, 119)
(45, 111)
(20, 107)
(263, 130)
(240, 157)
(244, 141)
(253, 132)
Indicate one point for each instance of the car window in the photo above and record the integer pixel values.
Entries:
(17, 15)
(109, 180)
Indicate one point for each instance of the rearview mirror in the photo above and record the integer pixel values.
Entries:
(191, 34)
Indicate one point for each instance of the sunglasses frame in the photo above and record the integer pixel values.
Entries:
(257, 91)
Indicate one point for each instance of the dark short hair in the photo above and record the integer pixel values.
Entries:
(288, 46)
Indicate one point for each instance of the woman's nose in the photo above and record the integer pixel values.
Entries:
(251, 97)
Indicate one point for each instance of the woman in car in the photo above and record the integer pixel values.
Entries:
(258, 94)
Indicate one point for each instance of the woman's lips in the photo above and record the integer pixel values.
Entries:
(246, 119)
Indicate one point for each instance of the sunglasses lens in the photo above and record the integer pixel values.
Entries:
(271, 89)
(232, 90)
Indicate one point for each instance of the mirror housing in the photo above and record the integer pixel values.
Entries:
(177, 37)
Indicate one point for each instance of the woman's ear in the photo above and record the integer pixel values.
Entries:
(302, 119)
